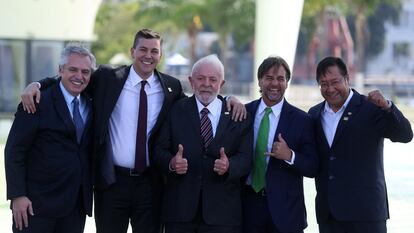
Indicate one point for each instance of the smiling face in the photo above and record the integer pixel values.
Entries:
(273, 85)
(76, 73)
(206, 82)
(334, 87)
(146, 55)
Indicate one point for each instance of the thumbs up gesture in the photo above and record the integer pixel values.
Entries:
(221, 165)
(178, 163)
(280, 149)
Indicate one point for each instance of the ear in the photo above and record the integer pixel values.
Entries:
(132, 51)
(222, 83)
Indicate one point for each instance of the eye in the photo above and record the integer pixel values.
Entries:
(86, 72)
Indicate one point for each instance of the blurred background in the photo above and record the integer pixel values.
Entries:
(374, 37)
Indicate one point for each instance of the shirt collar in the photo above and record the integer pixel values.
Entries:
(68, 97)
(214, 107)
(327, 108)
(276, 109)
(135, 79)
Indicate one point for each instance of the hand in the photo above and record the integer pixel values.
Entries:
(20, 207)
(239, 111)
(378, 99)
(221, 165)
(32, 90)
(280, 149)
(178, 163)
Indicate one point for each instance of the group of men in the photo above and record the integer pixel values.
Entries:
(159, 160)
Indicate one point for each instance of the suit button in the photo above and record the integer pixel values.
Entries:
(205, 156)
(332, 158)
(331, 177)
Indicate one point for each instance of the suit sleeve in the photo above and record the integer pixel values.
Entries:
(240, 163)
(47, 82)
(306, 160)
(19, 141)
(396, 127)
(162, 154)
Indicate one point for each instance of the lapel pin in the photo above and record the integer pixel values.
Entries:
(226, 113)
(169, 89)
(345, 118)
(349, 113)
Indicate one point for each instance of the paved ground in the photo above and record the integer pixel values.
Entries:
(399, 168)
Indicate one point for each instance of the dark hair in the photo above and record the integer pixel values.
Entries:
(327, 62)
(270, 62)
(146, 34)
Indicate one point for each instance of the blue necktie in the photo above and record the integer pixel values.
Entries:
(77, 119)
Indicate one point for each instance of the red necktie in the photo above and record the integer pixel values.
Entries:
(206, 128)
(141, 146)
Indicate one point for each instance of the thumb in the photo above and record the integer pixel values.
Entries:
(38, 96)
(180, 151)
(31, 209)
(279, 137)
(222, 153)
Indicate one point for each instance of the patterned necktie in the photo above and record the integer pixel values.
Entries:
(259, 168)
(77, 120)
(206, 128)
(141, 144)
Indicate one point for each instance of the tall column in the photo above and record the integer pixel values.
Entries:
(277, 29)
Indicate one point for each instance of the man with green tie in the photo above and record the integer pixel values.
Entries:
(284, 147)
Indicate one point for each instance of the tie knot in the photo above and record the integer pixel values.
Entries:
(75, 101)
(143, 82)
(268, 111)
(204, 111)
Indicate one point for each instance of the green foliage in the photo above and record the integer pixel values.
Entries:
(115, 27)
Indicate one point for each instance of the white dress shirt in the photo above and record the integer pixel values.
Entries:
(214, 109)
(83, 108)
(330, 119)
(123, 122)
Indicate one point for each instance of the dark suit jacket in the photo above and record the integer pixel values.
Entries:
(44, 160)
(105, 86)
(350, 184)
(220, 195)
(284, 182)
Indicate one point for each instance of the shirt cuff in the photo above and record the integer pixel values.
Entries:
(292, 160)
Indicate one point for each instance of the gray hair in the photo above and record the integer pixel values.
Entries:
(76, 48)
(210, 59)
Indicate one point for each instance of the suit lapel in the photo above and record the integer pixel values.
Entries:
(168, 95)
(194, 116)
(319, 127)
(284, 121)
(223, 122)
(62, 109)
(347, 116)
(115, 84)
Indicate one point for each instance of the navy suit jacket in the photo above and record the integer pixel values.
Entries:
(219, 196)
(284, 182)
(350, 183)
(44, 161)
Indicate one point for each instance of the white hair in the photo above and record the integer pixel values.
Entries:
(210, 59)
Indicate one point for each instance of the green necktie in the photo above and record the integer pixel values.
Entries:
(259, 169)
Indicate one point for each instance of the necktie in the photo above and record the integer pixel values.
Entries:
(77, 119)
(141, 145)
(259, 168)
(206, 128)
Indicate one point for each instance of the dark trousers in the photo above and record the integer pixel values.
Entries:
(131, 199)
(256, 214)
(72, 223)
(198, 225)
(335, 226)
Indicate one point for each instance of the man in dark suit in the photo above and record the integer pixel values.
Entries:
(350, 132)
(203, 154)
(48, 154)
(273, 198)
(131, 102)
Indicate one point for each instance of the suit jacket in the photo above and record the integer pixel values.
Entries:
(44, 160)
(284, 182)
(350, 184)
(218, 196)
(107, 84)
